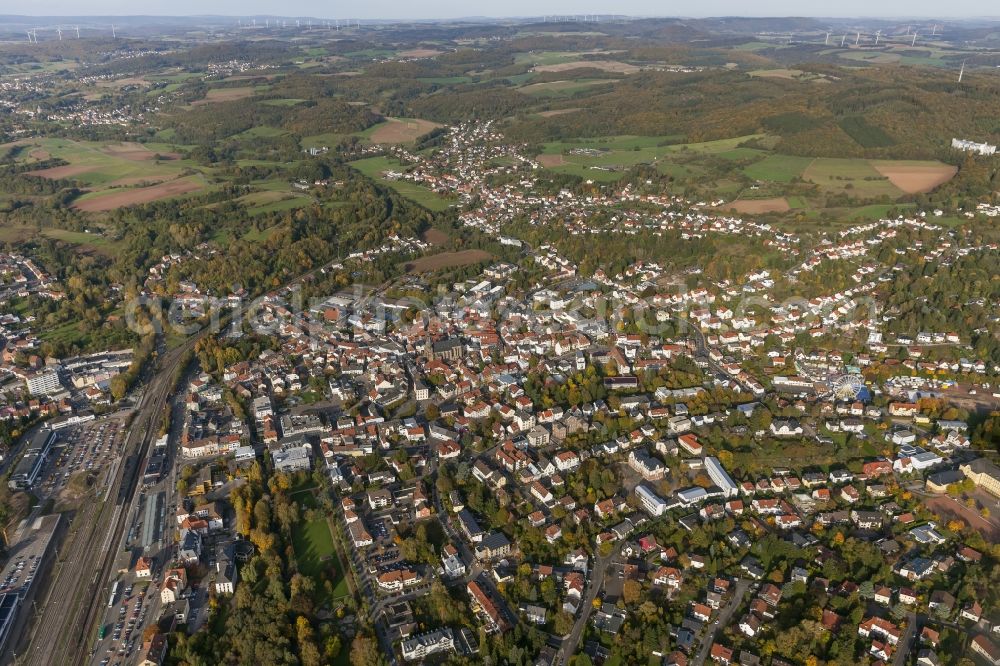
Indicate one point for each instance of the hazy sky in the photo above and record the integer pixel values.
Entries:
(389, 9)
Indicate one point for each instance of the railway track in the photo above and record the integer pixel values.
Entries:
(65, 634)
(65, 631)
(144, 430)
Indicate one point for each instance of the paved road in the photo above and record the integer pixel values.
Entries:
(571, 642)
(725, 616)
(906, 640)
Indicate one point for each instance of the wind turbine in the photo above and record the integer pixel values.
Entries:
(914, 42)
(878, 34)
(827, 41)
(842, 40)
(114, 35)
(961, 72)
(29, 36)
(857, 40)
(78, 32)
(59, 31)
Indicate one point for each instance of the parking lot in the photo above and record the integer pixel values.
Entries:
(120, 636)
(86, 447)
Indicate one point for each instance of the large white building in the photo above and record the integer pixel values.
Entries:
(973, 147)
(720, 477)
(424, 645)
(651, 502)
(44, 382)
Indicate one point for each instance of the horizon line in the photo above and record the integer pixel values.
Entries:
(524, 17)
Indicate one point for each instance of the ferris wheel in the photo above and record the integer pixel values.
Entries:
(847, 387)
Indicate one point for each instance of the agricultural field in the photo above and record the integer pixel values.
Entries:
(115, 174)
(129, 196)
(399, 130)
(561, 88)
(97, 165)
(435, 262)
(778, 168)
(913, 177)
(603, 65)
(601, 159)
(375, 167)
(790, 75)
(226, 95)
(419, 53)
(757, 206)
(859, 177)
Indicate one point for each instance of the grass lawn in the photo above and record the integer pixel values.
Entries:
(96, 241)
(304, 494)
(276, 207)
(316, 554)
(313, 544)
(67, 333)
(373, 167)
(274, 198)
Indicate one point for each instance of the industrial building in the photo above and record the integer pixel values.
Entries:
(25, 573)
(30, 466)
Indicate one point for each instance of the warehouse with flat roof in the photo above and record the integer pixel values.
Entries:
(30, 466)
(25, 576)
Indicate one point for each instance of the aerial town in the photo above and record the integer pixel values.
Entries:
(429, 399)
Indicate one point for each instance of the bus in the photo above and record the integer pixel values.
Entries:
(102, 632)
(114, 591)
